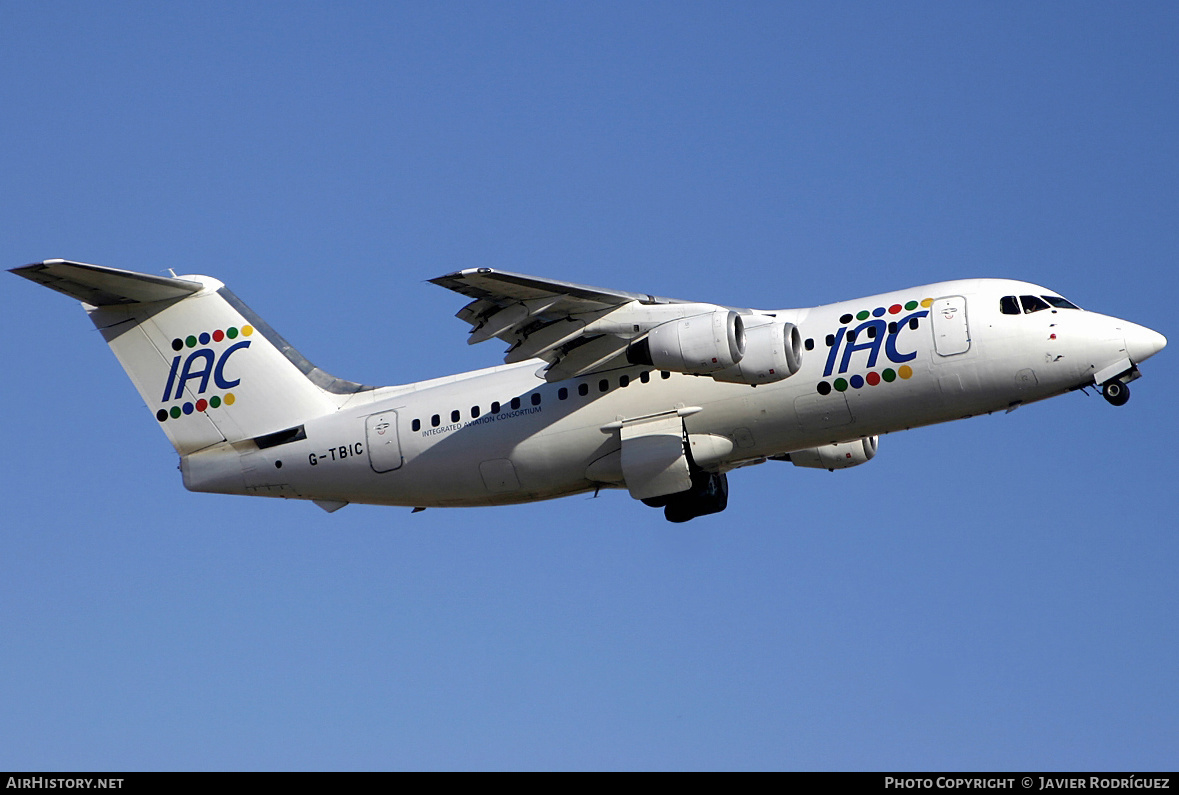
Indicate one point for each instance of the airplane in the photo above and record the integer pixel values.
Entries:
(600, 389)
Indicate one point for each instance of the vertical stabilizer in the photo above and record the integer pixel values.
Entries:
(207, 367)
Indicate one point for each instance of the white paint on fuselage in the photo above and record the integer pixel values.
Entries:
(1011, 359)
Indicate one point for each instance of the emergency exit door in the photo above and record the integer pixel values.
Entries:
(384, 448)
(951, 334)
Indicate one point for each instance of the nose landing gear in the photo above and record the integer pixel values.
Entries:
(1115, 392)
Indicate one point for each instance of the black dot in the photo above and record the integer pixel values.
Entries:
(824, 388)
(162, 415)
(177, 344)
(278, 464)
(845, 319)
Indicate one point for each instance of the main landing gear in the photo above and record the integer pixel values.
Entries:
(1115, 392)
(709, 494)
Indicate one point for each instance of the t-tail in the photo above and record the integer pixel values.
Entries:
(213, 373)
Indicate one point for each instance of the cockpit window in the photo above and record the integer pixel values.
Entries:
(1008, 305)
(1059, 302)
(1032, 304)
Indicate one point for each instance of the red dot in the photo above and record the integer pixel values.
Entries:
(218, 335)
(202, 404)
(894, 309)
(873, 379)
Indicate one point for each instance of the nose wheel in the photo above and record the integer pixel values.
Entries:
(1115, 392)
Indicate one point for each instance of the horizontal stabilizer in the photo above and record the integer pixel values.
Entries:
(100, 286)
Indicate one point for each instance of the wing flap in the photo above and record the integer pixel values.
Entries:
(596, 354)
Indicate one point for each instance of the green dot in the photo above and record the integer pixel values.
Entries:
(909, 307)
(190, 341)
(840, 385)
(889, 375)
(231, 332)
(175, 412)
(214, 401)
(862, 315)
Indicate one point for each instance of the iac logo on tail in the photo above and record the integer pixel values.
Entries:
(201, 365)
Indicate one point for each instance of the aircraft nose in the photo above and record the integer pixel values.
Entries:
(1142, 343)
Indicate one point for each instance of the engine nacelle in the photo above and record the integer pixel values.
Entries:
(700, 345)
(836, 456)
(773, 351)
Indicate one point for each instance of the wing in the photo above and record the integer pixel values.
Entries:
(575, 328)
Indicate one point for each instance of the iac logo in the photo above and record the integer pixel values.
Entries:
(195, 370)
(880, 331)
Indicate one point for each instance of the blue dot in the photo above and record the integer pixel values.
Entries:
(878, 311)
(856, 381)
(204, 338)
(188, 406)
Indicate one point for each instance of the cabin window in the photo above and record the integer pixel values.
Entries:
(603, 385)
(664, 375)
(474, 412)
(535, 398)
(913, 324)
(1008, 305)
(830, 340)
(810, 343)
(871, 332)
(455, 416)
(583, 389)
(562, 393)
(624, 380)
(645, 376)
(495, 407)
(416, 425)
(892, 327)
(435, 421)
(515, 403)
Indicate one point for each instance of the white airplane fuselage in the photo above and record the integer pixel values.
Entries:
(502, 435)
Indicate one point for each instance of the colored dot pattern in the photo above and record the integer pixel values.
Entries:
(873, 378)
(881, 311)
(200, 406)
(214, 401)
(205, 337)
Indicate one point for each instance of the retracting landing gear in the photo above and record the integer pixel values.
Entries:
(709, 494)
(1115, 392)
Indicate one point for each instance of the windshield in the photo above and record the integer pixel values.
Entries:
(1059, 302)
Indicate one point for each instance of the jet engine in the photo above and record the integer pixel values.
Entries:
(773, 351)
(699, 345)
(835, 456)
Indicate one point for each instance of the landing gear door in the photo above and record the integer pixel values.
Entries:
(951, 335)
(654, 461)
(384, 448)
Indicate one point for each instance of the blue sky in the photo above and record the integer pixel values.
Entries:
(991, 594)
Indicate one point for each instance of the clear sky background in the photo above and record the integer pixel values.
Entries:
(995, 594)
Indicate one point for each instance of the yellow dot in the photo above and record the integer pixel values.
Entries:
(247, 331)
(228, 399)
(927, 303)
(904, 371)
